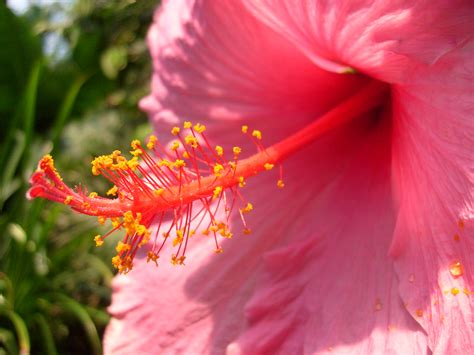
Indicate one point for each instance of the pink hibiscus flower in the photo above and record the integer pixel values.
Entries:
(368, 248)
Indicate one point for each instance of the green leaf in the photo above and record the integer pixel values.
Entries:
(7, 286)
(9, 184)
(29, 103)
(66, 107)
(72, 306)
(25, 115)
(7, 338)
(18, 50)
(21, 330)
(46, 334)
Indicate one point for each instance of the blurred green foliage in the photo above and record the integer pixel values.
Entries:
(71, 78)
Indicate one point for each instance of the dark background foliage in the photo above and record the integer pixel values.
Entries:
(72, 73)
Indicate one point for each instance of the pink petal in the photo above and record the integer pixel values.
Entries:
(383, 39)
(221, 63)
(335, 290)
(434, 175)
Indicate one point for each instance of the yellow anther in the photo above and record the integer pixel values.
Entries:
(191, 140)
(268, 166)
(187, 124)
(151, 256)
(218, 169)
(454, 291)
(101, 162)
(165, 162)
(116, 261)
(217, 191)
(199, 128)
(219, 150)
(236, 151)
(116, 222)
(158, 192)
(121, 247)
(123, 266)
(214, 228)
(177, 260)
(175, 145)
(245, 129)
(135, 144)
(102, 219)
(112, 191)
(86, 205)
(142, 231)
(241, 181)
(205, 232)
(175, 131)
(151, 142)
(226, 234)
(186, 155)
(179, 163)
(133, 163)
(257, 134)
(219, 250)
(232, 165)
(98, 240)
(280, 184)
(93, 195)
(136, 152)
(68, 200)
(179, 237)
(247, 208)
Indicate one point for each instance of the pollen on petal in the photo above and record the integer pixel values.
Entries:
(456, 269)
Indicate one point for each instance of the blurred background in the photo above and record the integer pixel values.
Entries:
(71, 75)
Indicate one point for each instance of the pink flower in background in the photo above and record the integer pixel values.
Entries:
(369, 247)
